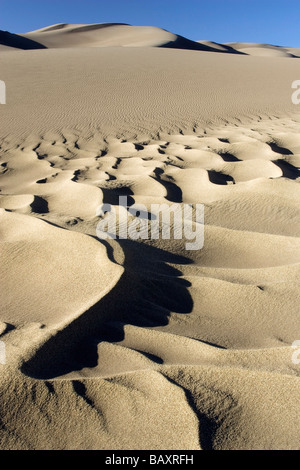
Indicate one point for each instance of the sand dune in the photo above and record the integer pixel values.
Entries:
(54, 93)
(143, 344)
(65, 35)
(114, 34)
(264, 50)
(9, 40)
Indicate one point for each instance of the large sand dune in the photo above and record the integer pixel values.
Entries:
(134, 91)
(64, 35)
(131, 344)
(103, 35)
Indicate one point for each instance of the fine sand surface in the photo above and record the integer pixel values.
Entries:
(143, 344)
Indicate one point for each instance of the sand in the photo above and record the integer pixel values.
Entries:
(143, 344)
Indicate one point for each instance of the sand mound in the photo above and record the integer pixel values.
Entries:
(45, 291)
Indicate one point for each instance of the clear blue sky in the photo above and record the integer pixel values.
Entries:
(271, 21)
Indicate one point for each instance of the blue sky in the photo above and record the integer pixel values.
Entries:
(270, 21)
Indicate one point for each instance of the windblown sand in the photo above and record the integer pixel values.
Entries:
(124, 344)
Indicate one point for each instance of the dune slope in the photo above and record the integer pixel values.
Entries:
(64, 35)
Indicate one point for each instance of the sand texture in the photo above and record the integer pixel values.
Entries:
(143, 344)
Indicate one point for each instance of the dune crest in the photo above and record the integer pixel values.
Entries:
(65, 35)
(114, 34)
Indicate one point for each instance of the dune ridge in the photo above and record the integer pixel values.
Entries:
(64, 35)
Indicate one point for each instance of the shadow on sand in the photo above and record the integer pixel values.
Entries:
(19, 42)
(148, 291)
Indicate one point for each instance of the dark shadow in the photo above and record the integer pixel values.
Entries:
(138, 147)
(207, 426)
(229, 157)
(111, 196)
(76, 175)
(8, 327)
(41, 157)
(280, 150)
(210, 420)
(288, 171)
(80, 389)
(212, 344)
(174, 193)
(184, 43)
(92, 27)
(72, 222)
(148, 291)
(216, 177)
(19, 42)
(50, 387)
(39, 205)
(118, 161)
(152, 357)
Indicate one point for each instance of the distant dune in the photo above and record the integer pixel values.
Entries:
(258, 49)
(114, 34)
(63, 35)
